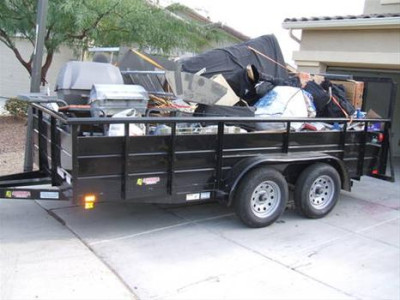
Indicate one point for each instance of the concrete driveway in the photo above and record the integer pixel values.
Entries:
(204, 252)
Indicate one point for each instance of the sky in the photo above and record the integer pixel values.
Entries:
(259, 17)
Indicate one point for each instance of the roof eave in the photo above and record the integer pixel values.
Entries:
(370, 23)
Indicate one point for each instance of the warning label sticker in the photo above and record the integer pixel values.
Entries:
(151, 180)
(21, 194)
(148, 181)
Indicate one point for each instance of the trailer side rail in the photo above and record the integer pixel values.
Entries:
(51, 127)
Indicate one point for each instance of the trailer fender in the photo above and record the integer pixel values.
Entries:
(244, 166)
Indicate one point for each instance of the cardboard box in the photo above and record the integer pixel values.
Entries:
(230, 98)
(306, 77)
(354, 91)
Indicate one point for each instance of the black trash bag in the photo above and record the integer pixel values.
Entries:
(339, 107)
(293, 81)
(204, 110)
(320, 96)
(267, 83)
(264, 88)
(243, 85)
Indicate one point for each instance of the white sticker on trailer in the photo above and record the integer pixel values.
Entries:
(60, 173)
(206, 195)
(68, 179)
(192, 197)
(49, 195)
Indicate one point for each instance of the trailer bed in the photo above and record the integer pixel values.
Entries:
(178, 168)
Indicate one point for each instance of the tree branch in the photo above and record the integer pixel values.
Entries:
(29, 39)
(49, 31)
(10, 44)
(95, 24)
(28, 4)
(5, 42)
(11, 17)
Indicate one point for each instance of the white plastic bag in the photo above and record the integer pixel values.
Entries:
(119, 129)
(281, 102)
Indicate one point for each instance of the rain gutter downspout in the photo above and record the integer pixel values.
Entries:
(295, 38)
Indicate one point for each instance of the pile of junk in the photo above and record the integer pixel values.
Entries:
(249, 79)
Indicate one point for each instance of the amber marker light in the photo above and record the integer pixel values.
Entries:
(89, 200)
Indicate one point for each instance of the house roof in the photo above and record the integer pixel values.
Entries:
(187, 12)
(365, 21)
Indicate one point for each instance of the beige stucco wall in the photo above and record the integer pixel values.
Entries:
(14, 79)
(381, 6)
(352, 46)
(373, 47)
(357, 48)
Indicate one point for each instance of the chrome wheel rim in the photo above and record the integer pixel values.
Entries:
(265, 199)
(321, 192)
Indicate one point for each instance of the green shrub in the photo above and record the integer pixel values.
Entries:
(17, 108)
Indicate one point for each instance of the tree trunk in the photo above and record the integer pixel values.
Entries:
(46, 66)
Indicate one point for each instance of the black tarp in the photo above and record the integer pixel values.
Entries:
(228, 61)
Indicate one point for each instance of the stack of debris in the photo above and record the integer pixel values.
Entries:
(248, 79)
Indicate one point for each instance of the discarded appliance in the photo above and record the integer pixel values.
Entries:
(138, 67)
(112, 98)
(76, 79)
(195, 88)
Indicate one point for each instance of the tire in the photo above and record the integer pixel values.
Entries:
(261, 197)
(317, 190)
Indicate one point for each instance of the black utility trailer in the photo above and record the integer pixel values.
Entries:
(251, 171)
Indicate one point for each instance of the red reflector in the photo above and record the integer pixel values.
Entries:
(381, 137)
(375, 172)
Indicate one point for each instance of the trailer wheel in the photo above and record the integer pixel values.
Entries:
(317, 190)
(261, 197)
